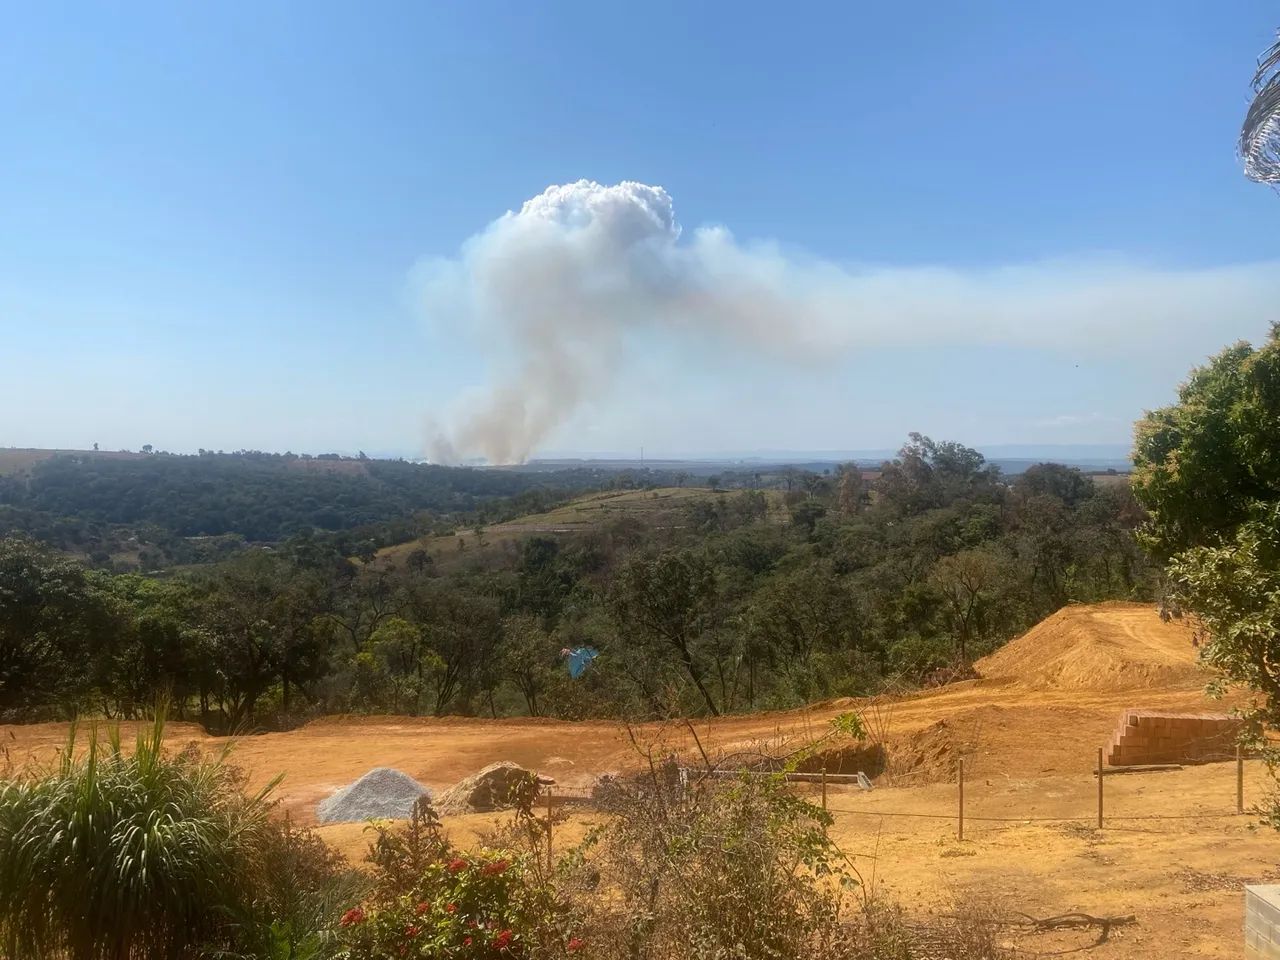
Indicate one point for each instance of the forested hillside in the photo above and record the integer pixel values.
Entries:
(145, 511)
(741, 605)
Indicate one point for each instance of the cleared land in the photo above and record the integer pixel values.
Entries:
(1028, 730)
(662, 507)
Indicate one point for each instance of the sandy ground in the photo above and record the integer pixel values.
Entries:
(1028, 731)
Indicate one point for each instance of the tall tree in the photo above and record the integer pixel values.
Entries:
(1208, 470)
(668, 600)
(55, 625)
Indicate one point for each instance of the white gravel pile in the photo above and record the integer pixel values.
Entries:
(382, 793)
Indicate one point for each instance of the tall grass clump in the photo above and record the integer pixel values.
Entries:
(117, 855)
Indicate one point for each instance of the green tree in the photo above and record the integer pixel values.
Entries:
(529, 656)
(265, 617)
(668, 600)
(56, 624)
(462, 629)
(1203, 463)
(928, 474)
(406, 666)
(160, 655)
(971, 582)
(1208, 471)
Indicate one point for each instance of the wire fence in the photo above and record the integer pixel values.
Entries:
(1101, 814)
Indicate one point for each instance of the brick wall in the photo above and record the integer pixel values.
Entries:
(1262, 922)
(1149, 736)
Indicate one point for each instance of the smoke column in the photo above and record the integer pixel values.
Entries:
(553, 289)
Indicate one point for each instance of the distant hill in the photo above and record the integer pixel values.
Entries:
(149, 509)
(656, 509)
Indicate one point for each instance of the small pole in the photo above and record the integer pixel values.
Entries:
(824, 788)
(1239, 779)
(1099, 788)
(960, 832)
(550, 856)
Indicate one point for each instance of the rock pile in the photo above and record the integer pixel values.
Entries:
(382, 793)
(496, 787)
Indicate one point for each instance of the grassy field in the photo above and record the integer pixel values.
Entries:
(656, 509)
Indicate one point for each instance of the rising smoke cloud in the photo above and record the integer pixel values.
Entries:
(556, 288)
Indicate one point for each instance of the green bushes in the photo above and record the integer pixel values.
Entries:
(431, 900)
(121, 855)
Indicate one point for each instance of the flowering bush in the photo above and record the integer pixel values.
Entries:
(488, 906)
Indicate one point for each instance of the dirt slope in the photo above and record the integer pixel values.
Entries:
(1102, 647)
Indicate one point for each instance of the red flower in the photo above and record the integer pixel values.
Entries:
(466, 942)
(575, 944)
(422, 908)
(450, 908)
(503, 940)
(351, 917)
(412, 930)
(495, 868)
(457, 864)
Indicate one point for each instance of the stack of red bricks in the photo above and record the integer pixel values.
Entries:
(1150, 736)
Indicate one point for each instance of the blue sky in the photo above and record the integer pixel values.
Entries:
(212, 217)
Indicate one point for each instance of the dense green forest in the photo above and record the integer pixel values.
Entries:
(906, 577)
(159, 510)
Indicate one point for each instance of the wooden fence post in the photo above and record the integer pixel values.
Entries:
(550, 854)
(960, 831)
(1099, 788)
(1239, 779)
(824, 788)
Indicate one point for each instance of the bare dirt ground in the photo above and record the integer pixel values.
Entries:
(1028, 731)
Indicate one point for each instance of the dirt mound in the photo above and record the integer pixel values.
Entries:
(382, 793)
(930, 755)
(1101, 647)
(498, 786)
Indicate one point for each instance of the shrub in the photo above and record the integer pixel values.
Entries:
(119, 855)
(430, 900)
(298, 886)
(144, 856)
(741, 869)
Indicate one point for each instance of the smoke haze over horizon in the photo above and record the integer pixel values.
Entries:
(561, 294)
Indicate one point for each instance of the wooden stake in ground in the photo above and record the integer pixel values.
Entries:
(1099, 788)
(960, 831)
(550, 855)
(824, 788)
(1239, 779)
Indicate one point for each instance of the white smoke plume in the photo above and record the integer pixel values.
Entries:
(555, 289)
